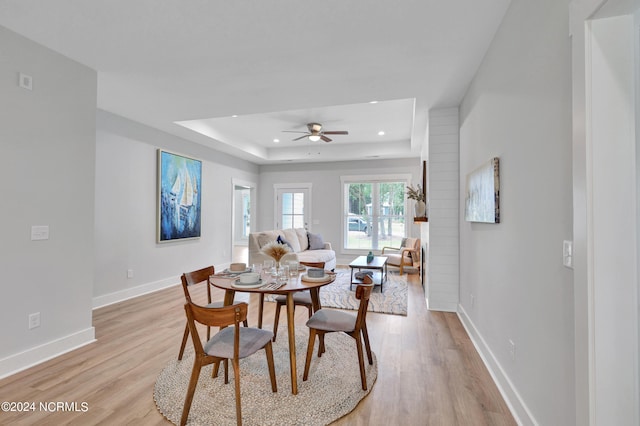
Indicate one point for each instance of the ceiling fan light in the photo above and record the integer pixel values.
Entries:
(314, 138)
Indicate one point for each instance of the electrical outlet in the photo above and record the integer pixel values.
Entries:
(512, 350)
(567, 253)
(25, 81)
(129, 273)
(34, 320)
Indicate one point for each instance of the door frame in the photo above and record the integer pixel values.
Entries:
(252, 186)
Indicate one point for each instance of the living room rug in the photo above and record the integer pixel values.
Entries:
(332, 390)
(393, 300)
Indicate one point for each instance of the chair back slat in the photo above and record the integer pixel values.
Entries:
(363, 293)
(219, 317)
(196, 277)
(313, 264)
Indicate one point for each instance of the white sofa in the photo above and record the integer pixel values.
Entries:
(299, 241)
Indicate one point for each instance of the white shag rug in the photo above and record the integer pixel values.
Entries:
(332, 390)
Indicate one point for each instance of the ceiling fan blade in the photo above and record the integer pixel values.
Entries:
(324, 138)
(301, 137)
(336, 132)
(292, 131)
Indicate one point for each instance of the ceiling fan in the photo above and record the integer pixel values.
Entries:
(316, 133)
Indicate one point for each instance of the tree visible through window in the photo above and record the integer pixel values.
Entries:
(374, 214)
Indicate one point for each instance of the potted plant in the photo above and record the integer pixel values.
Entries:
(418, 195)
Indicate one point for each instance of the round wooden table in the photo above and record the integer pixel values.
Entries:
(293, 285)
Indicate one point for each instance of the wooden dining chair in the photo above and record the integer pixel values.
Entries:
(300, 298)
(230, 343)
(329, 320)
(189, 280)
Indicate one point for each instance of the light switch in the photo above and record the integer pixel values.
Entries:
(567, 253)
(39, 233)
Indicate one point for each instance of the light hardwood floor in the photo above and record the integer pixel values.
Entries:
(428, 370)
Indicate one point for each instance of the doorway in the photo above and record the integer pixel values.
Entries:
(243, 208)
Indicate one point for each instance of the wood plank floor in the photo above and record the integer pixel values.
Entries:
(428, 373)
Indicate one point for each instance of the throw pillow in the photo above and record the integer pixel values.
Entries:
(283, 241)
(315, 241)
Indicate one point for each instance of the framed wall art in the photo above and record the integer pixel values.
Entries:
(482, 203)
(179, 197)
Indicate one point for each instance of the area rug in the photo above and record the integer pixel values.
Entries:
(332, 390)
(393, 300)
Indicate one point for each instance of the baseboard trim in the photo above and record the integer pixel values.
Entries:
(442, 306)
(130, 293)
(516, 404)
(39, 354)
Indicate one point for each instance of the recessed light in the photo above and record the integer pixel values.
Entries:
(276, 140)
(234, 115)
(381, 133)
(373, 102)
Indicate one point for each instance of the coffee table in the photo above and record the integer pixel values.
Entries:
(378, 266)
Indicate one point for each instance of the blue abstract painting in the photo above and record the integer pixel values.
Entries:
(179, 196)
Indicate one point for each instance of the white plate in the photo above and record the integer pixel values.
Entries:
(238, 284)
(327, 277)
(228, 271)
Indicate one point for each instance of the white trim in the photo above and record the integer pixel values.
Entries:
(441, 306)
(376, 178)
(130, 293)
(589, 217)
(39, 354)
(512, 398)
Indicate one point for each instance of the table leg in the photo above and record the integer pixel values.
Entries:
(351, 280)
(260, 310)
(228, 297)
(315, 299)
(292, 342)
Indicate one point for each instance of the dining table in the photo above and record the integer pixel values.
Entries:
(286, 286)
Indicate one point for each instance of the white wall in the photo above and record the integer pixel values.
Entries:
(613, 169)
(518, 108)
(125, 225)
(326, 215)
(47, 148)
(443, 276)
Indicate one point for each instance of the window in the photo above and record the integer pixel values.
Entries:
(374, 212)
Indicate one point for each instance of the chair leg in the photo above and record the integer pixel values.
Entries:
(365, 336)
(272, 371)
(307, 363)
(195, 373)
(236, 373)
(363, 375)
(226, 371)
(185, 336)
(310, 308)
(321, 348)
(275, 321)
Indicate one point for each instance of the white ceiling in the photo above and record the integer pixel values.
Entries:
(276, 64)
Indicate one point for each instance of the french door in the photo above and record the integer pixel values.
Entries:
(293, 206)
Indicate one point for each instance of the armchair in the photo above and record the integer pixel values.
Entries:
(408, 254)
